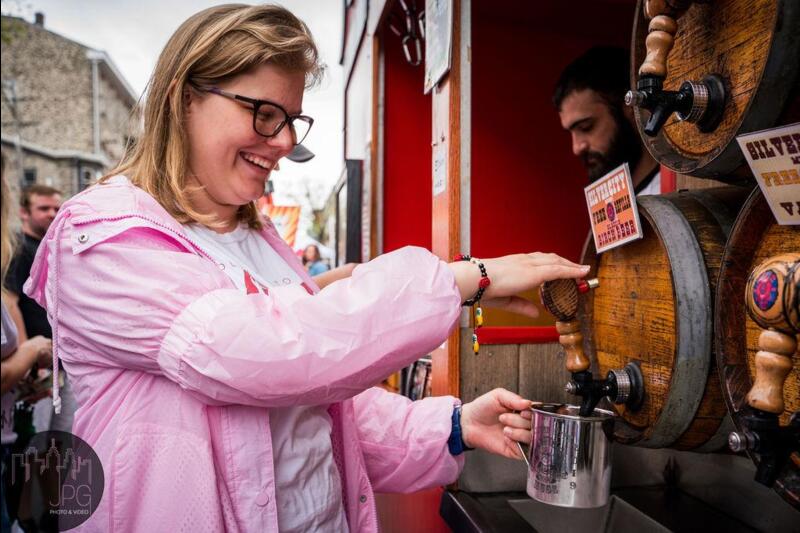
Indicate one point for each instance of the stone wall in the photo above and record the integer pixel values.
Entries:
(52, 76)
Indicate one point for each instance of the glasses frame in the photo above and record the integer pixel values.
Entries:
(257, 103)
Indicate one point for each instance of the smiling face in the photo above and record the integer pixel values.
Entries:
(226, 156)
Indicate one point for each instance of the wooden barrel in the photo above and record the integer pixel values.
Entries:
(654, 307)
(755, 237)
(754, 45)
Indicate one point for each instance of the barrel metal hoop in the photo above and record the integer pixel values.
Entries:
(693, 322)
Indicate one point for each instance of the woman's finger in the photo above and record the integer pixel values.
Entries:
(511, 401)
(515, 421)
(552, 272)
(519, 435)
(551, 259)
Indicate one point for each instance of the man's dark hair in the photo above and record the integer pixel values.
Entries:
(603, 69)
(38, 190)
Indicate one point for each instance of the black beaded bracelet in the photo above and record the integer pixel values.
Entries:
(474, 302)
(482, 284)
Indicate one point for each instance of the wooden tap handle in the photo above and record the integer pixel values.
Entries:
(571, 339)
(660, 38)
(772, 299)
(671, 8)
(661, 34)
(773, 364)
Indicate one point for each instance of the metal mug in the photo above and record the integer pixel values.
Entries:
(569, 459)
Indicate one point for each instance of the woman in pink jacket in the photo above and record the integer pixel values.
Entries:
(220, 388)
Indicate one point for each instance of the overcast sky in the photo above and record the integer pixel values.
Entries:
(134, 32)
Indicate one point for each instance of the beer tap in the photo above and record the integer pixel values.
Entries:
(700, 102)
(623, 386)
(772, 299)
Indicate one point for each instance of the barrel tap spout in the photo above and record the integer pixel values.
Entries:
(700, 102)
(772, 299)
(621, 386)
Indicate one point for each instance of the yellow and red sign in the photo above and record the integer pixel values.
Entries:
(285, 217)
(612, 210)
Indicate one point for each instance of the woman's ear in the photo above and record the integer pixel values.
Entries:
(187, 99)
(186, 94)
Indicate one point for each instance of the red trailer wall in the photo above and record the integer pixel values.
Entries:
(527, 186)
(407, 180)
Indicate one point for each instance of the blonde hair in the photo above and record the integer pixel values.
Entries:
(7, 240)
(209, 48)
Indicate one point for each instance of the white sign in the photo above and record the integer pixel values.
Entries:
(438, 40)
(439, 168)
(774, 158)
(612, 209)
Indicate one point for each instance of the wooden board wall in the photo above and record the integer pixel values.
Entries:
(535, 371)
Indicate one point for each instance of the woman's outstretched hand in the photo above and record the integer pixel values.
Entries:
(513, 274)
(496, 421)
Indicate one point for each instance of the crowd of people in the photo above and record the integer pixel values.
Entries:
(26, 338)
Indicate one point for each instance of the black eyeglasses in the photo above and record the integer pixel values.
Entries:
(269, 118)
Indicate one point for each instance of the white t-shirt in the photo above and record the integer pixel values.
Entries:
(308, 488)
(654, 187)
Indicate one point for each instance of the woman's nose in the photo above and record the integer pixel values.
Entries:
(284, 140)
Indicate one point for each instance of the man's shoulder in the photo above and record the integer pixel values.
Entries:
(28, 244)
(20, 266)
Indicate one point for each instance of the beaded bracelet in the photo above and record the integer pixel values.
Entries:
(474, 302)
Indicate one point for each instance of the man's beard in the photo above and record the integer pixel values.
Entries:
(625, 146)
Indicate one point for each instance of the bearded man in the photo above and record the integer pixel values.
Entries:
(589, 97)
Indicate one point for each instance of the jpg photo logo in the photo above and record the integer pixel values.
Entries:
(57, 481)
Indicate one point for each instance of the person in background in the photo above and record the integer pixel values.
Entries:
(590, 99)
(334, 274)
(18, 357)
(313, 262)
(39, 205)
(218, 385)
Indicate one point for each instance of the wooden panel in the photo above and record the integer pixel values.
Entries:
(542, 374)
(495, 366)
(684, 181)
(375, 146)
(446, 214)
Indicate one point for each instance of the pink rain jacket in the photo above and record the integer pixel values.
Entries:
(175, 369)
